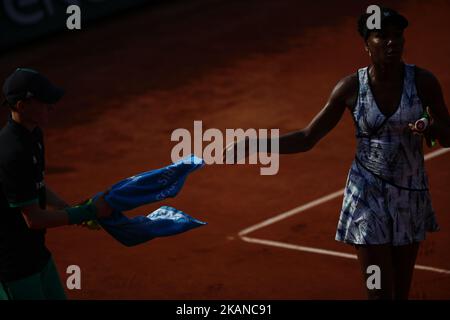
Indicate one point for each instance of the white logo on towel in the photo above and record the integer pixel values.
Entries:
(165, 177)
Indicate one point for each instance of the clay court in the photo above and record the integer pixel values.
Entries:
(134, 78)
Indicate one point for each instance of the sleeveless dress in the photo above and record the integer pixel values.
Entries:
(386, 199)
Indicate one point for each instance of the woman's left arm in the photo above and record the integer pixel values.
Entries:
(430, 92)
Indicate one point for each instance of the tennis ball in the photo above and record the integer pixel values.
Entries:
(421, 124)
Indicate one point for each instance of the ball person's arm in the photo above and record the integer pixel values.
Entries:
(37, 218)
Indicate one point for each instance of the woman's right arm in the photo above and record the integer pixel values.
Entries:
(305, 139)
(343, 95)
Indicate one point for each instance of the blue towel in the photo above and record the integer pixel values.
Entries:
(145, 188)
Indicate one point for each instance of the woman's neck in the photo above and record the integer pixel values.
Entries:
(386, 72)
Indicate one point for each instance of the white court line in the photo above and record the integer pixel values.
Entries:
(298, 248)
(310, 205)
(290, 213)
(326, 252)
(436, 153)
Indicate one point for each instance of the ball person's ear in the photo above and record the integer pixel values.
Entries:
(20, 105)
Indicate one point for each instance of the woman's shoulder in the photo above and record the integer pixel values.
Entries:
(348, 88)
(426, 82)
(424, 76)
(349, 83)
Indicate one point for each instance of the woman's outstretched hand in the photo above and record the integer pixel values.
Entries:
(231, 151)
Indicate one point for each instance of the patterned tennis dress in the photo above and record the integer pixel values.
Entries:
(386, 199)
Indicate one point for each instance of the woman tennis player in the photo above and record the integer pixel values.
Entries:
(387, 206)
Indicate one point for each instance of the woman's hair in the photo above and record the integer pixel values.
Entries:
(388, 17)
(362, 25)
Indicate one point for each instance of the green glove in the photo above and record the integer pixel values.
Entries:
(91, 225)
(83, 212)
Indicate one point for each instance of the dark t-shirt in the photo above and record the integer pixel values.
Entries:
(22, 165)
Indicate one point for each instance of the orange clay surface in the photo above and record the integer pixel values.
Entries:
(131, 80)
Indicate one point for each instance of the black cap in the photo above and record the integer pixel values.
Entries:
(388, 17)
(26, 83)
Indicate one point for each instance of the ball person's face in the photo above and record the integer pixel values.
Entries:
(386, 46)
(36, 112)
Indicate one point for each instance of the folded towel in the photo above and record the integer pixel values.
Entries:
(145, 188)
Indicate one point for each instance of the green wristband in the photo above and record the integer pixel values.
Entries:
(81, 213)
